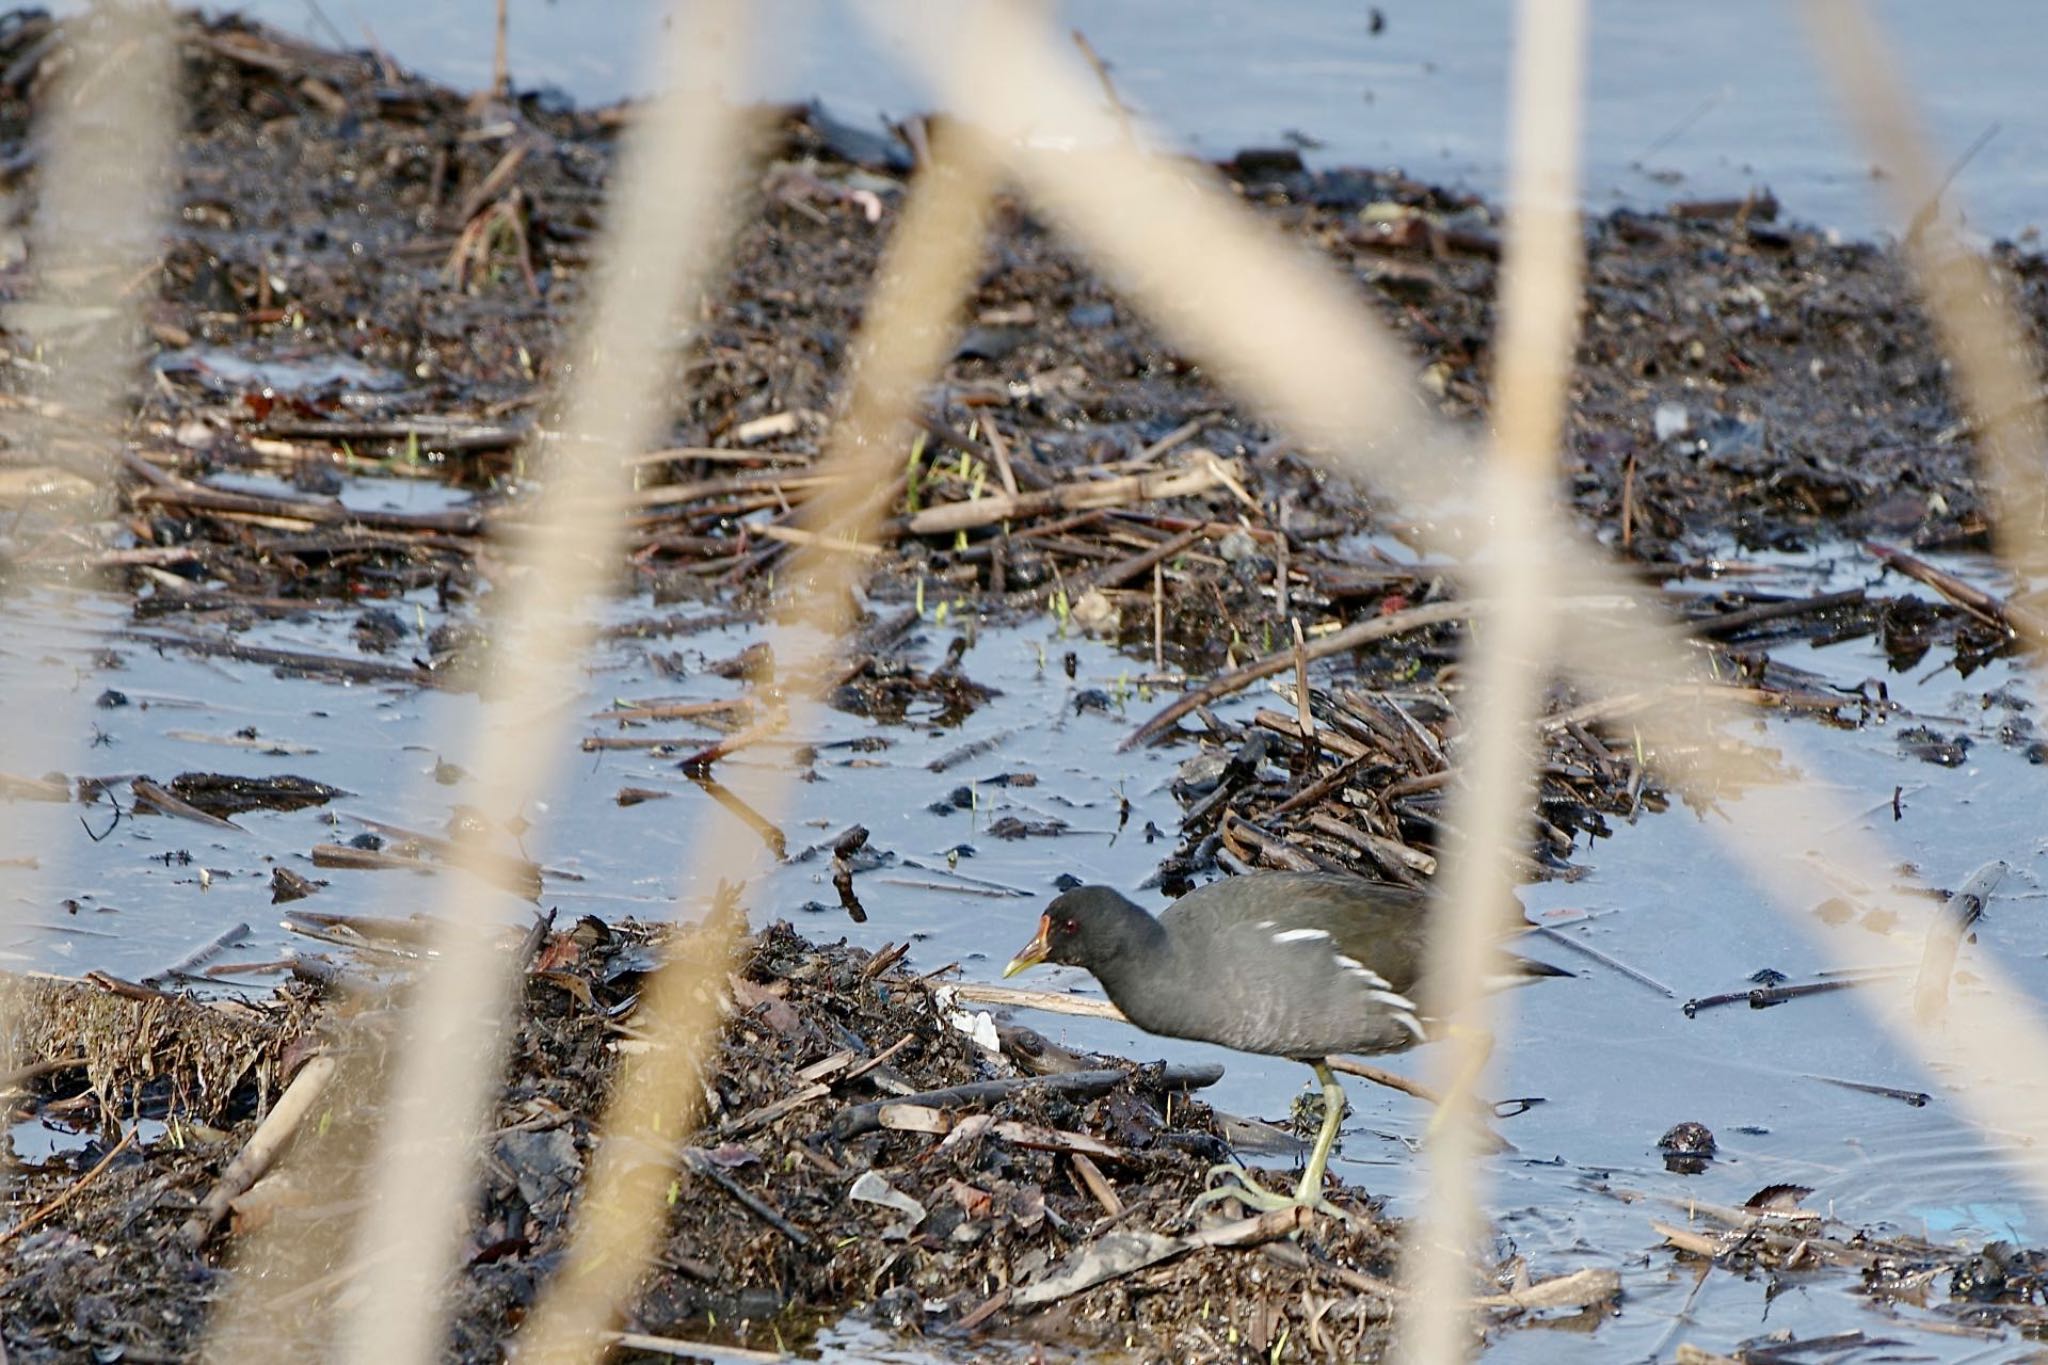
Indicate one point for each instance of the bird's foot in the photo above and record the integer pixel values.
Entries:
(1239, 1186)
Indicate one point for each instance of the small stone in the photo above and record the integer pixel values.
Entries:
(1236, 546)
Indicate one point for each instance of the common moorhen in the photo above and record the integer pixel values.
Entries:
(1291, 964)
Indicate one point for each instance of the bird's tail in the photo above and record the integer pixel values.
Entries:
(1519, 970)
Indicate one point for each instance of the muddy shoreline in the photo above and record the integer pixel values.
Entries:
(368, 285)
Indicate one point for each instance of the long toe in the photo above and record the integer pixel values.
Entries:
(1237, 1186)
(1228, 1180)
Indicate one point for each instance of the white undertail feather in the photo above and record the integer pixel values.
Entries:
(1400, 1008)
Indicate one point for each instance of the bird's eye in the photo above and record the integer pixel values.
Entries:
(1068, 926)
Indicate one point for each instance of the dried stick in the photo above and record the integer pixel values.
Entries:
(1124, 570)
(1101, 68)
(43, 1213)
(1715, 627)
(1073, 497)
(681, 710)
(1000, 448)
(1158, 619)
(1024, 998)
(866, 1118)
(1640, 977)
(1392, 1080)
(150, 796)
(170, 491)
(1351, 637)
(1945, 935)
(1303, 716)
(1139, 1250)
(2010, 617)
(262, 1150)
(200, 956)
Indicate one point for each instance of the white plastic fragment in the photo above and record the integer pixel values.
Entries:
(873, 1189)
(980, 1026)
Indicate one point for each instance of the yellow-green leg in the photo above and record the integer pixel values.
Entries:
(1309, 1194)
(1310, 1190)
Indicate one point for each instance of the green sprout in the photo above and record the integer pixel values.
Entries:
(913, 475)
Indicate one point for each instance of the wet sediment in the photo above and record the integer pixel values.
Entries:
(370, 278)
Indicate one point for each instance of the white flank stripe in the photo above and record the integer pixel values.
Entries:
(1360, 970)
(1299, 935)
(1400, 1004)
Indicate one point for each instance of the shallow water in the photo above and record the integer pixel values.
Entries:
(1616, 1061)
(1684, 100)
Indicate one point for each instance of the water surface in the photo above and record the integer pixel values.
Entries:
(1684, 100)
(1616, 1062)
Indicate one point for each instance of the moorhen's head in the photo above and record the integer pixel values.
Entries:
(1085, 927)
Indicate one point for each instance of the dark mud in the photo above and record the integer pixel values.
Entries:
(791, 1210)
(361, 312)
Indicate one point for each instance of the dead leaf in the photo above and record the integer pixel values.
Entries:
(773, 1009)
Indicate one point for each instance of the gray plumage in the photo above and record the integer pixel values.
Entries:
(1290, 964)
